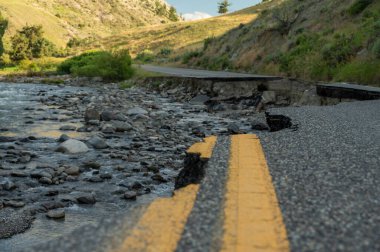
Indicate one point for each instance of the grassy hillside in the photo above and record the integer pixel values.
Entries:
(64, 19)
(310, 39)
(178, 36)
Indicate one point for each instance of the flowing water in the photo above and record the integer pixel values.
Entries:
(22, 115)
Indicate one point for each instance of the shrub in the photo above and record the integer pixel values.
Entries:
(359, 6)
(190, 55)
(339, 51)
(165, 52)
(115, 65)
(366, 72)
(39, 66)
(207, 42)
(145, 56)
(376, 48)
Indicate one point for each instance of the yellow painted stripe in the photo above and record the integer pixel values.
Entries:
(253, 219)
(161, 226)
(203, 148)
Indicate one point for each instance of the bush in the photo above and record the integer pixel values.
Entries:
(359, 6)
(165, 52)
(115, 65)
(188, 56)
(339, 51)
(39, 66)
(145, 56)
(376, 49)
(208, 41)
(366, 72)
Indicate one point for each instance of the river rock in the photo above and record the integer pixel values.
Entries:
(56, 214)
(136, 111)
(95, 179)
(72, 146)
(19, 174)
(72, 171)
(8, 185)
(199, 99)
(86, 199)
(130, 195)
(91, 114)
(97, 142)
(120, 126)
(14, 204)
(68, 128)
(107, 115)
(108, 129)
(45, 181)
(92, 165)
(63, 138)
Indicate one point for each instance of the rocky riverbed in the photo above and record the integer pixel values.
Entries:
(70, 156)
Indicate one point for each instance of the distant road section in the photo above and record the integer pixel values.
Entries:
(195, 73)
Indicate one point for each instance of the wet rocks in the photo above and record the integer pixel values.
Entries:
(7, 185)
(45, 181)
(19, 174)
(107, 115)
(63, 138)
(14, 204)
(199, 99)
(97, 142)
(68, 128)
(91, 165)
(86, 199)
(136, 111)
(130, 195)
(56, 214)
(72, 171)
(72, 146)
(233, 128)
(91, 114)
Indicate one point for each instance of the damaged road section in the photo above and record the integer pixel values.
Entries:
(196, 158)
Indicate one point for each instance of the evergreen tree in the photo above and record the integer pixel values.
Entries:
(173, 16)
(223, 6)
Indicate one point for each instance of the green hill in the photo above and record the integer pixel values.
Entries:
(310, 39)
(65, 19)
(178, 37)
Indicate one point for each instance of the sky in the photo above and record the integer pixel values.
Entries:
(194, 9)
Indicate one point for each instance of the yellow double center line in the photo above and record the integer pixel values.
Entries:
(162, 224)
(252, 221)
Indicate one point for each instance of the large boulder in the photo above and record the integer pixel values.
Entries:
(72, 146)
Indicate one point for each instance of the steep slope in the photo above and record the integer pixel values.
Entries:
(178, 36)
(64, 19)
(310, 39)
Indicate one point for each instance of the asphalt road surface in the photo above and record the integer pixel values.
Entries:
(195, 73)
(324, 195)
